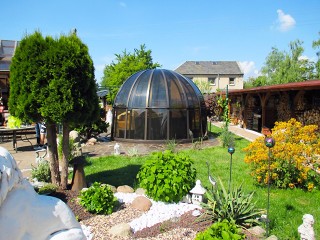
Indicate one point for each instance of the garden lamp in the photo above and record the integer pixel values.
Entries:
(269, 142)
(231, 150)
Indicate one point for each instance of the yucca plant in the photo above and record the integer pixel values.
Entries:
(234, 205)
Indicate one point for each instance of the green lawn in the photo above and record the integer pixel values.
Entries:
(286, 206)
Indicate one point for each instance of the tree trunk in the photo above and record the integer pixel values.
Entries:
(53, 153)
(65, 156)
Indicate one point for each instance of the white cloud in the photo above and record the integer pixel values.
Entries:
(247, 66)
(303, 58)
(285, 22)
(249, 69)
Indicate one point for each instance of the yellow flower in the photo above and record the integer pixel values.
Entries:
(291, 185)
(310, 187)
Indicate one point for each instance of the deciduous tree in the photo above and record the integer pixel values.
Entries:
(124, 66)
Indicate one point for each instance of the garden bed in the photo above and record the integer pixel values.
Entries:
(184, 227)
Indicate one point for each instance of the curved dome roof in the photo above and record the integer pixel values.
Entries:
(158, 88)
(163, 90)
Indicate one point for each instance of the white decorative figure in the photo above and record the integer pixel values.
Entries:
(306, 228)
(25, 215)
(116, 149)
(197, 193)
(109, 117)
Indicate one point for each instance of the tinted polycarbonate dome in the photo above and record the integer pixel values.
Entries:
(158, 104)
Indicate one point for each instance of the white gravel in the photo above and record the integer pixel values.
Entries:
(158, 212)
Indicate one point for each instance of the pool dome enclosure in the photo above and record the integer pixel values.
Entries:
(158, 105)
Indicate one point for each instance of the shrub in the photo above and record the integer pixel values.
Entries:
(98, 199)
(221, 230)
(226, 137)
(47, 189)
(171, 145)
(14, 122)
(293, 158)
(167, 176)
(234, 205)
(41, 172)
(71, 147)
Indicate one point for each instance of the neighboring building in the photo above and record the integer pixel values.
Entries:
(213, 75)
(7, 49)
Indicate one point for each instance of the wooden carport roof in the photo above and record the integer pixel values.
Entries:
(265, 91)
(306, 85)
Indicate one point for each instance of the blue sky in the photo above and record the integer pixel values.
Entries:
(175, 31)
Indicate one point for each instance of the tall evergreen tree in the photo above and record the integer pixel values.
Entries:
(52, 80)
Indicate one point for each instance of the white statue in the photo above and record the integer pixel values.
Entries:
(109, 117)
(26, 215)
(306, 228)
(116, 149)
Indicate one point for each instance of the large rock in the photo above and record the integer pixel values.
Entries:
(141, 203)
(257, 231)
(121, 230)
(140, 191)
(26, 215)
(125, 189)
(75, 136)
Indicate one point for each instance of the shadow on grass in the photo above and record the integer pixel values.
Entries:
(116, 177)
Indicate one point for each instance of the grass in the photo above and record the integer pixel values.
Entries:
(287, 206)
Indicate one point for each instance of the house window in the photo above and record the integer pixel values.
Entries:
(231, 81)
(212, 81)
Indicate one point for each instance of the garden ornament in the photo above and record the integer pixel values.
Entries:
(306, 228)
(25, 215)
(269, 142)
(211, 179)
(116, 149)
(231, 150)
(109, 117)
(197, 193)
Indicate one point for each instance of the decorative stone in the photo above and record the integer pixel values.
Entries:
(187, 199)
(306, 228)
(196, 213)
(140, 191)
(272, 237)
(24, 214)
(141, 203)
(92, 141)
(113, 188)
(121, 230)
(74, 135)
(125, 189)
(257, 231)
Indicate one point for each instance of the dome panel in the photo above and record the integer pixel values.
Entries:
(177, 96)
(138, 95)
(121, 99)
(158, 97)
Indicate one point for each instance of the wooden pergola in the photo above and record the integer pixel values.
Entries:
(263, 106)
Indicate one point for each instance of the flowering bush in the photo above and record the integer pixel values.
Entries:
(294, 158)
